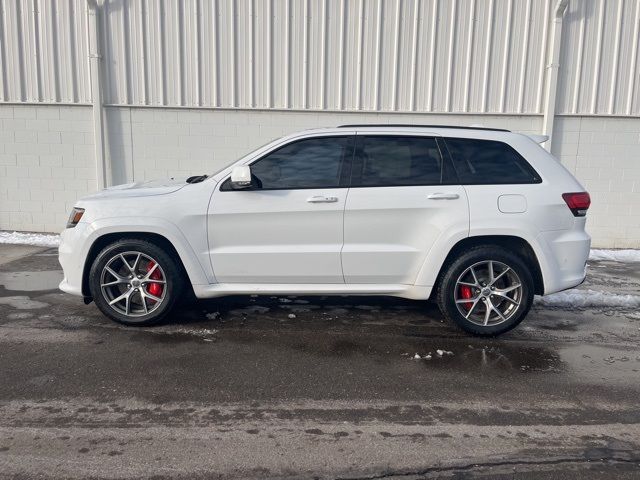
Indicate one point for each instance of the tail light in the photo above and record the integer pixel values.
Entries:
(578, 202)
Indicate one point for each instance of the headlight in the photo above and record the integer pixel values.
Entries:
(74, 218)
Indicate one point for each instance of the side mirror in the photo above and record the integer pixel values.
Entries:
(241, 177)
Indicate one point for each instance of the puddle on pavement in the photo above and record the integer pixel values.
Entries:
(22, 303)
(31, 281)
(597, 363)
(500, 357)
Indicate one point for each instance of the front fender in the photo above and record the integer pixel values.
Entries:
(198, 275)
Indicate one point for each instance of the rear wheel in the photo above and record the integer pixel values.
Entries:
(135, 282)
(486, 291)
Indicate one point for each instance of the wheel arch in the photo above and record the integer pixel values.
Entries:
(515, 244)
(105, 239)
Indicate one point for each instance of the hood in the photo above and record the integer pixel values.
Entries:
(141, 189)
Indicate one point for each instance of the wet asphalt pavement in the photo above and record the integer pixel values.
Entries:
(304, 387)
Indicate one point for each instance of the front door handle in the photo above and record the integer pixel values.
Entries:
(443, 196)
(322, 199)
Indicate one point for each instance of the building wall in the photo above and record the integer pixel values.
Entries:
(46, 163)
(447, 56)
(47, 159)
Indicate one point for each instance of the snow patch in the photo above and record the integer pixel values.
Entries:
(197, 332)
(443, 352)
(35, 239)
(625, 256)
(589, 298)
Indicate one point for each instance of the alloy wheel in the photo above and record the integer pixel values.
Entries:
(488, 293)
(133, 284)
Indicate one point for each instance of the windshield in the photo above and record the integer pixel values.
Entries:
(245, 155)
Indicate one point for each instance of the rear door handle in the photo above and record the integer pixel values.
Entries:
(322, 199)
(443, 196)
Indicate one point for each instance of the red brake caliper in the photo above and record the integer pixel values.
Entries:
(154, 288)
(466, 292)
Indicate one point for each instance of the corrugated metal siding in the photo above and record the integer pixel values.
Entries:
(43, 51)
(467, 56)
(599, 61)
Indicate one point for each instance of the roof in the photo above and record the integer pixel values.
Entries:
(407, 125)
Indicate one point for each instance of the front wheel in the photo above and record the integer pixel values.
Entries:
(486, 291)
(135, 282)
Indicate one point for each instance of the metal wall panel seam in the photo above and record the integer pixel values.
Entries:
(161, 57)
(61, 23)
(432, 55)
(452, 44)
(74, 72)
(467, 68)
(104, 28)
(252, 47)
(359, 56)
(505, 57)
(525, 56)
(126, 55)
(4, 91)
(323, 56)
(198, 54)
(215, 50)
(616, 57)
(414, 54)
(634, 60)
(36, 46)
(26, 70)
(342, 54)
(180, 50)
(396, 56)
(305, 54)
(143, 49)
(580, 59)
(543, 56)
(487, 58)
(287, 53)
(596, 62)
(269, 53)
(233, 25)
(378, 55)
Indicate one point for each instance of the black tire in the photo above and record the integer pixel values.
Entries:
(477, 256)
(171, 290)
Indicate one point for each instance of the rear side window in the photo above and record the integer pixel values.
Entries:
(488, 162)
(390, 161)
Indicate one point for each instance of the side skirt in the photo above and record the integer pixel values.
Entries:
(413, 292)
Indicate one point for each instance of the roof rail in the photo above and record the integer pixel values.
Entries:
(403, 125)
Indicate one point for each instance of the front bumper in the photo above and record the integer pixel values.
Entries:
(71, 258)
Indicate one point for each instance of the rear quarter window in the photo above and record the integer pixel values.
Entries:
(489, 162)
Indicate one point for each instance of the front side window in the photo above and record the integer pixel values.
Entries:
(488, 162)
(396, 160)
(309, 163)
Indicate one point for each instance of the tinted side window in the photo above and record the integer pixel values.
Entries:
(390, 160)
(486, 162)
(311, 163)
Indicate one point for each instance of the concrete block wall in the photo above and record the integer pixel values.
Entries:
(604, 154)
(149, 143)
(46, 163)
(47, 158)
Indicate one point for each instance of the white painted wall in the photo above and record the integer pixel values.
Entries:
(47, 161)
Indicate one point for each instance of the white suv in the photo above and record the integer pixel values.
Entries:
(480, 219)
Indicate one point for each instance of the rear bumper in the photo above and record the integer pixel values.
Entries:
(566, 253)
